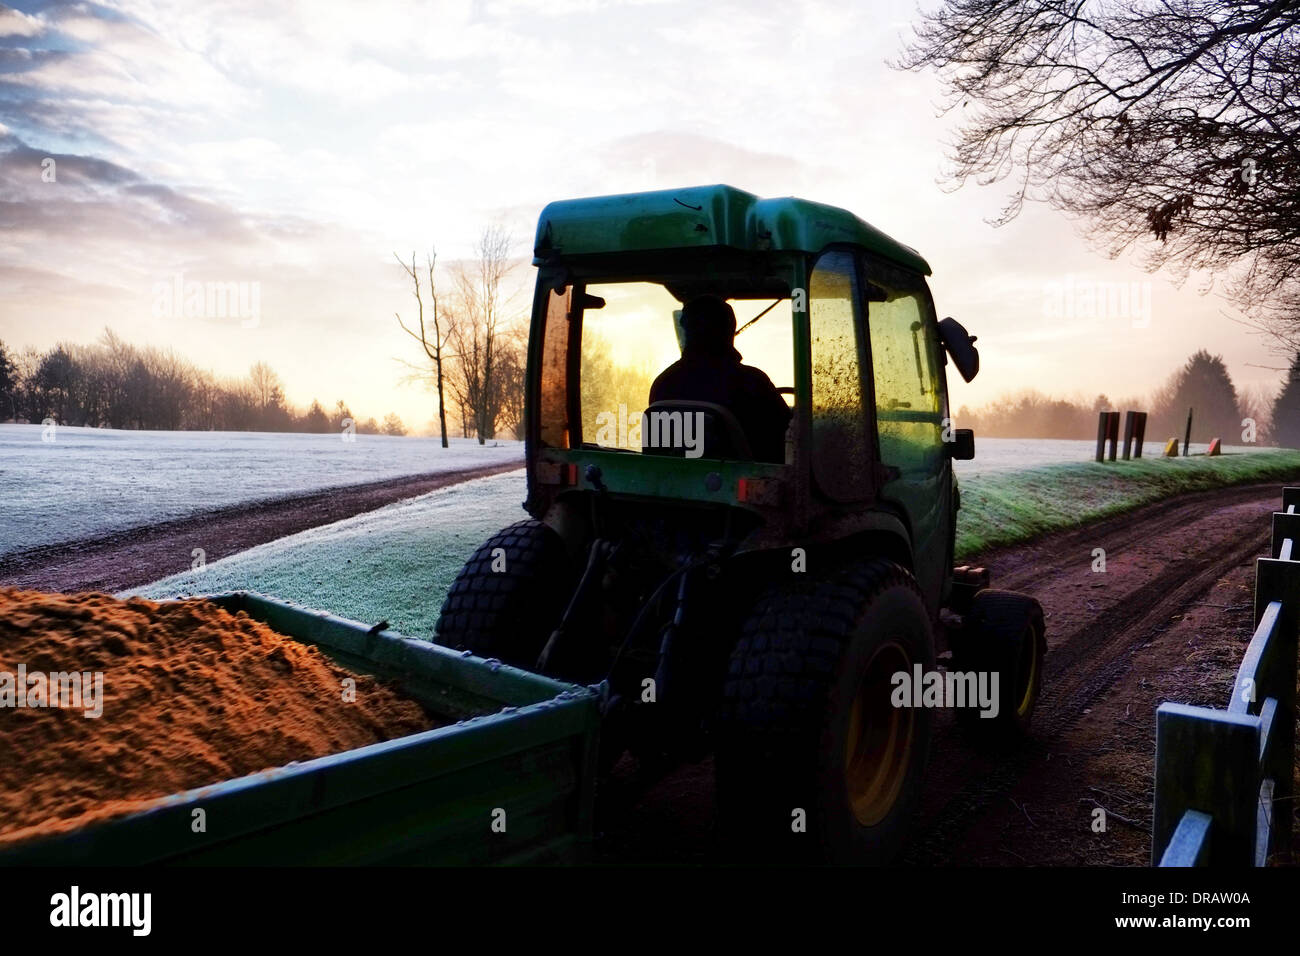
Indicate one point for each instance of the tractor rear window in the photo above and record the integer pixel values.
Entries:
(636, 335)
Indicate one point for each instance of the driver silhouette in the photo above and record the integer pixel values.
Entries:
(710, 370)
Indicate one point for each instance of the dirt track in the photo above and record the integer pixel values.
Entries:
(1168, 620)
(136, 556)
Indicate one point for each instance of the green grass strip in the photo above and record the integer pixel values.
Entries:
(1000, 510)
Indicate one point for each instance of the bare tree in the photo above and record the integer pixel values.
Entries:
(1170, 125)
(441, 330)
(266, 383)
(460, 385)
(206, 401)
(482, 307)
(509, 377)
(1257, 404)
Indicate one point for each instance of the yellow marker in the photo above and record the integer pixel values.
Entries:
(1171, 448)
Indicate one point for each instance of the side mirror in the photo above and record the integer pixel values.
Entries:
(960, 344)
(962, 446)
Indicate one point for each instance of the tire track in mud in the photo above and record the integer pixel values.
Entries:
(1162, 558)
(1072, 686)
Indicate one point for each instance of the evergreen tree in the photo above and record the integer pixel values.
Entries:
(1286, 409)
(1204, 386)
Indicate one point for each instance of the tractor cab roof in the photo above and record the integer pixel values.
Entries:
(702, 217)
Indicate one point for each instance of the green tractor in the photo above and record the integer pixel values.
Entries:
(763, 607)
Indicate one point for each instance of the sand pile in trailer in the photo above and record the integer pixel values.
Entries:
(186, 695)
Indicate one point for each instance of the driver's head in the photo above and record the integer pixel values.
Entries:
(709, 325)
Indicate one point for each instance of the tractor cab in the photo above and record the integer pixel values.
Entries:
(835, 314)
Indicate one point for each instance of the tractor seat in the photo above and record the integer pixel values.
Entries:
(663, 431)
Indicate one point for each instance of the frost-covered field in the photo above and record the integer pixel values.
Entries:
(91, 481)
(998, 456)
(398, 562)
(395, 563)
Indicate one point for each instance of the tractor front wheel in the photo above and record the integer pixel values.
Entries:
(509, 596)
(1004, 634)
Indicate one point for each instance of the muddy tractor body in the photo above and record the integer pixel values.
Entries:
(763, 610)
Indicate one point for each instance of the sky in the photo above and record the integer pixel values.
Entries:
(276, 155)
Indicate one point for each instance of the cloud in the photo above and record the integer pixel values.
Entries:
(105, 80)
(673, 159)
(56, 197)
(14, 23)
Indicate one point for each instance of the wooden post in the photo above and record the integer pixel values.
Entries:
(1130, 422)
(1190, 844)
(1286, 526)
(1112, 431)
(1279, 581)
(1187, 438)
(1207, 760)
(1140, 435)
(1102, 428)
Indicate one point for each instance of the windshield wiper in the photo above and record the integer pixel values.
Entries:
(760, 315)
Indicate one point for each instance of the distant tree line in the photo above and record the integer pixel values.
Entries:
(114, 384)
(1202, 385)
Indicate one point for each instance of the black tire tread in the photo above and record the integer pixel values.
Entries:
(791, 643)
(997, 617)
(1004, 610)
(779, 690)
(502, 613)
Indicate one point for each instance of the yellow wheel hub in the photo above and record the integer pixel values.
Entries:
(878, 748)
(1029, 668)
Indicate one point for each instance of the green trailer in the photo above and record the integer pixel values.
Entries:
(510, 778)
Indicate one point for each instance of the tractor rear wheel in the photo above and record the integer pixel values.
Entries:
(509, 596)
(814, 761)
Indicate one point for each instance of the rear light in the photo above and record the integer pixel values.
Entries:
(564, 474)
(759, 491)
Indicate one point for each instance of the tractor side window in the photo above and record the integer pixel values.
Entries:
(839, 415)
(555, 356)
(904, 362)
